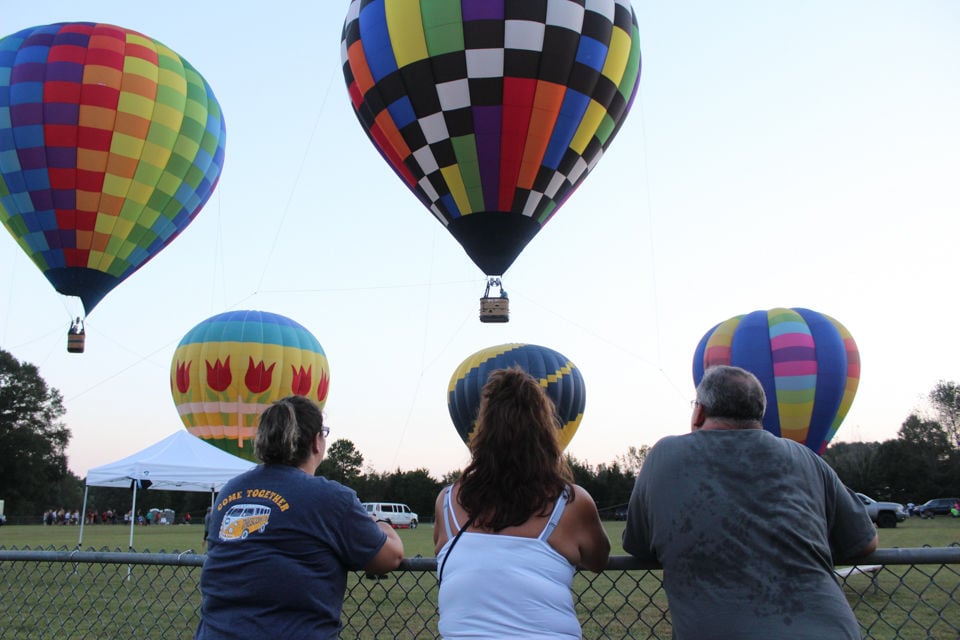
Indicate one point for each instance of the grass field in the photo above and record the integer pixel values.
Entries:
(909, 603)
(915, 532)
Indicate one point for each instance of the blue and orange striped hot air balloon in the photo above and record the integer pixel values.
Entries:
(492, 112)
(555, 372)
(232, 366)
(110, 144)
(808, 364)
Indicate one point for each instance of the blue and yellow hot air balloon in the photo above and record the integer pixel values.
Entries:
(807, 362)
(492, 112)
(555, 372)
(110, 144)
(229, 368)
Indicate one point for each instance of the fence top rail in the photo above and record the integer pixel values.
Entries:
(185, 559)
(895, 556)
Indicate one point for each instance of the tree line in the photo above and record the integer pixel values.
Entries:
(922, 462)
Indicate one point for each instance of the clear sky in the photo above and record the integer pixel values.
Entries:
(797, 154)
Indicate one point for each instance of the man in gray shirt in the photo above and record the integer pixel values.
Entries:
(745, 524)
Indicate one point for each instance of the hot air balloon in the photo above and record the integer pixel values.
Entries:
(559, 376)
(229, 368)
(491, 111)
(807, 362)
(110, 143)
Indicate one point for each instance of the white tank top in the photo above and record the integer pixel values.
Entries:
(498, 586)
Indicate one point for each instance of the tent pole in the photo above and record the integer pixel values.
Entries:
(83, 515)
(133, 520)
(133, 513)
(213, 501)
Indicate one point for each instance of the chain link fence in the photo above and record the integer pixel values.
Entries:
(96, 595)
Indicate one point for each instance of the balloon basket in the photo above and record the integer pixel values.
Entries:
(494, 309)
(75, 342)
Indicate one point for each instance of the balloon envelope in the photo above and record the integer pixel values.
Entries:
(491, 111)
(110, 143)
(560, 377)
(229, 368)
(807, 362)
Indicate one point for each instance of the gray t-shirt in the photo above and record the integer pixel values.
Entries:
(746, 526)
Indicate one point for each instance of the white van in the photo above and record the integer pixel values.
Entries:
(397, 514)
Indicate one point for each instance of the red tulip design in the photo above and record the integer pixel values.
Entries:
(218, 375)
(183, 376)
(258, 378)
(301, 380)
(323, 387)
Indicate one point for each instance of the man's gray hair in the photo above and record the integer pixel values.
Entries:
(731, 393)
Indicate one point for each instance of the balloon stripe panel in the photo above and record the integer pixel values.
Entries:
(831, 375)
(251, 327)
(792, 339)
(441, 26)
(794, 407)
(796, 382)
(406, 28)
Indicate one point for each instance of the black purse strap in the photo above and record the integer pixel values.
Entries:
(450, 550)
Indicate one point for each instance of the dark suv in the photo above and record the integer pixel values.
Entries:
(937, 506)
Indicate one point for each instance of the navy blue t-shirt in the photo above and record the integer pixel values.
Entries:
(281, 543)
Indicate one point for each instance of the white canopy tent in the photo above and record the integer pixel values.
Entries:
(179, 462)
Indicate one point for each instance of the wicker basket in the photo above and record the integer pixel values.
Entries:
(75, 342)
(494, 309)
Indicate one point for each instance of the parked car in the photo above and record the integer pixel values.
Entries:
(397, 514)
(886, 515)
(937, 506)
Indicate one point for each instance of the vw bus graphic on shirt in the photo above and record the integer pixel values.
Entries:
(242, 519)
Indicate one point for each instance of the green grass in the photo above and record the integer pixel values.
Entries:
(155, 538)
(915, 532)
(100, 537)
(941, 531)
(913, 603)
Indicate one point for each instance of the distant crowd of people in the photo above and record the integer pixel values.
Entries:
(65, 516)
(61, 516)
(110, 516)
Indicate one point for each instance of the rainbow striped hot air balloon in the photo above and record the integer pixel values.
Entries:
(231, 367)
(807, 362)
(559, 376)
(110, 143)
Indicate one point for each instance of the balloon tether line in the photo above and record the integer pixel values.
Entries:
(296, 181)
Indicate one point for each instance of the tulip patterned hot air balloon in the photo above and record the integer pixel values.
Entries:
(229, 368)
(560, 377)
(110, 143)
(491, 111)
(807, 362)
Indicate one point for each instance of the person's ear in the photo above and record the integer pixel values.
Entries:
(698, 418)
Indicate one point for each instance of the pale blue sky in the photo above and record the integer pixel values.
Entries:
(799, 154)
